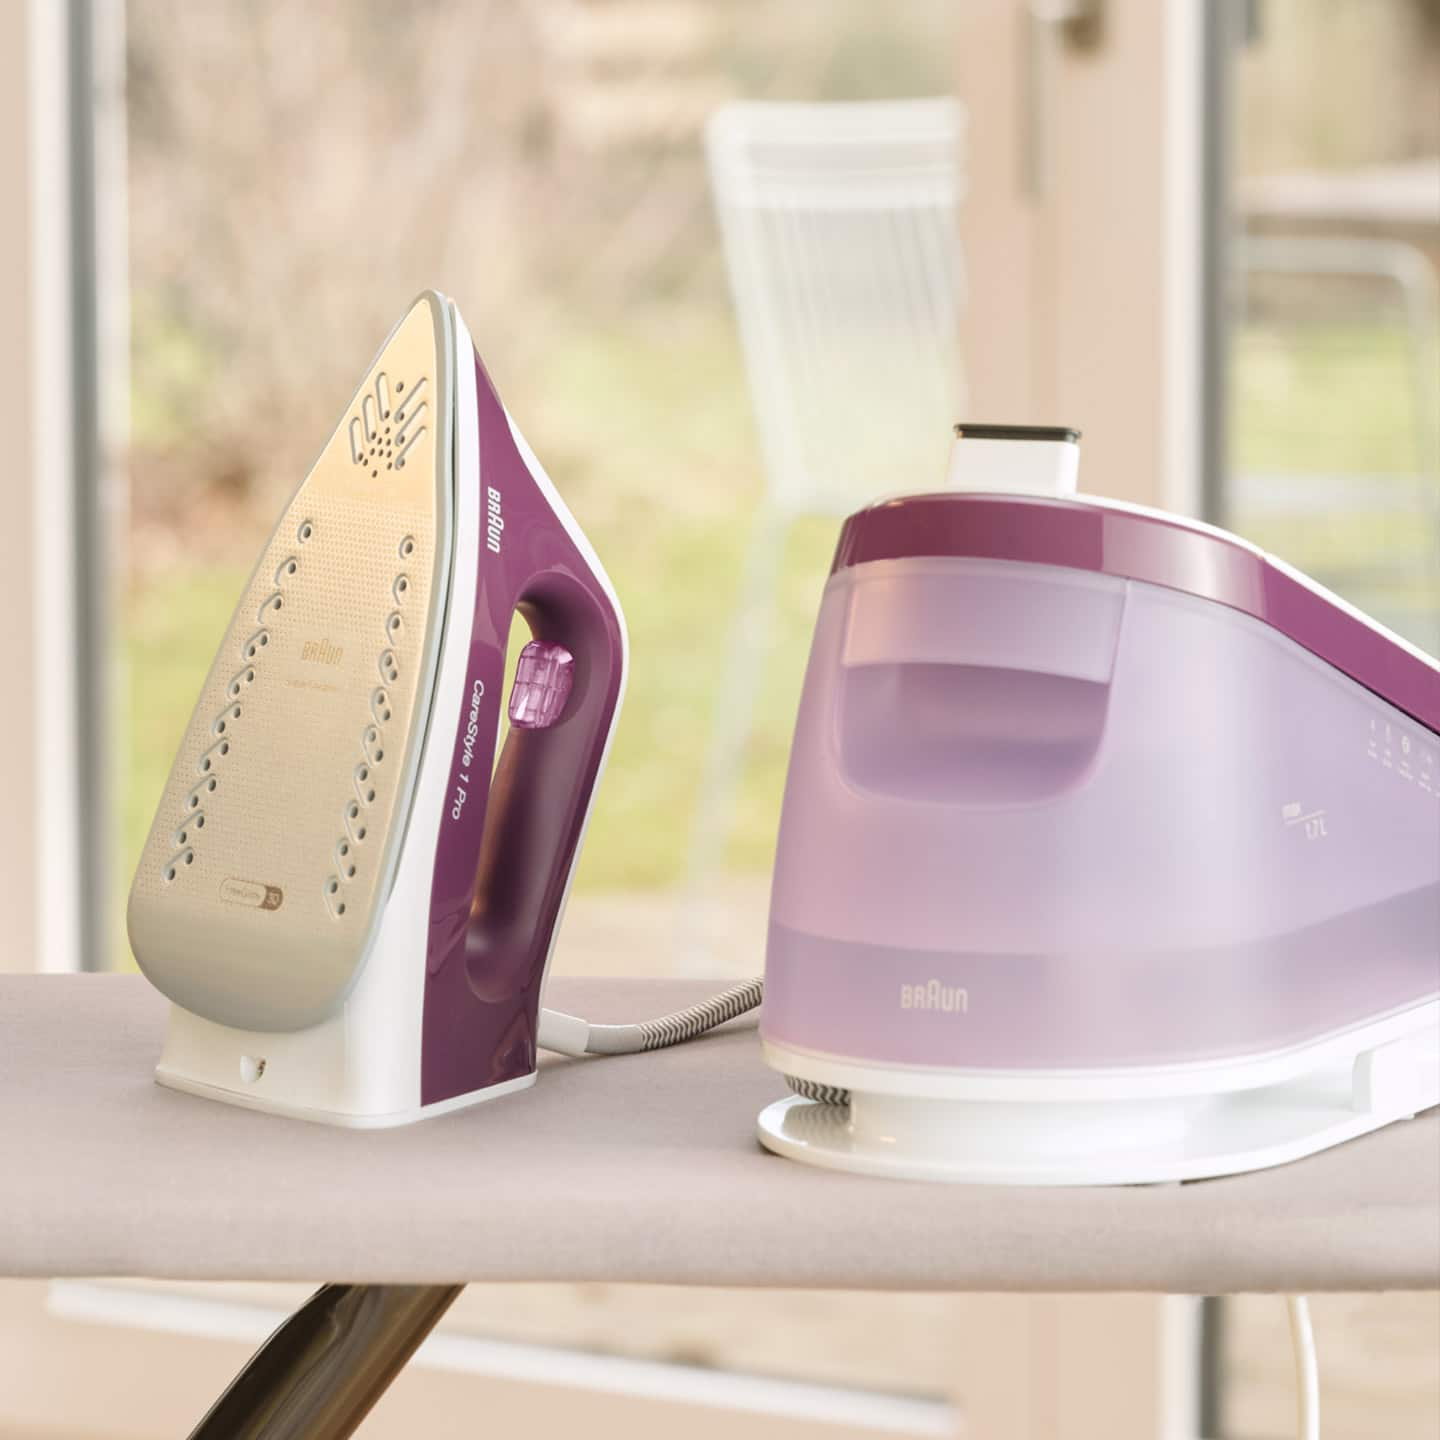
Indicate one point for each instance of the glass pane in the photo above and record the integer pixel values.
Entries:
(544, 165)
(1334, 464)
(296, 174)
(1335, 361)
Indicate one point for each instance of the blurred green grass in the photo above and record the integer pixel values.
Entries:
(1325, 399)
(673, 537)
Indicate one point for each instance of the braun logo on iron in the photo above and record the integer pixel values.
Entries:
(322, 652)
(933, 995)
(494, 520)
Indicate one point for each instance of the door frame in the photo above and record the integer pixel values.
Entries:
(1094, 146)
(42, 827)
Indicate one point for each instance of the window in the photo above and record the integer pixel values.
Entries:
(247, 198)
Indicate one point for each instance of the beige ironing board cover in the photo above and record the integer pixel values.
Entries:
(640, 1168)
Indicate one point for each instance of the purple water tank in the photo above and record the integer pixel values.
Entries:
(1078, 786)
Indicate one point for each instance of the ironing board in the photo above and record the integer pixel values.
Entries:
(634, 1168)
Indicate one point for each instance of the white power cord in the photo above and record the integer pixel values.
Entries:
(1307, 1373)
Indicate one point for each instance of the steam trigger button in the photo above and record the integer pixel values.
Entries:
(543, 677)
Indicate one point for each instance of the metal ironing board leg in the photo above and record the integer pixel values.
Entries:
(320, 1373)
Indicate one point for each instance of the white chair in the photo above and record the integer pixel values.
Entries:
(840, 239)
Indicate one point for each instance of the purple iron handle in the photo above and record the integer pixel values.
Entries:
(508, 843)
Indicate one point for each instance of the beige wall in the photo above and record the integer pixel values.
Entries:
(1015, 1367)
(62, 1378)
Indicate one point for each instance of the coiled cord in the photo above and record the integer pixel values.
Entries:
(814, 1090)
(572, 1036)
(697, 1019)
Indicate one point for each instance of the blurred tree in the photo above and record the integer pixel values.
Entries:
(298, 172)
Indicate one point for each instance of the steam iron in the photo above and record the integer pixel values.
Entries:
(1110, 847)
(350, 913)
